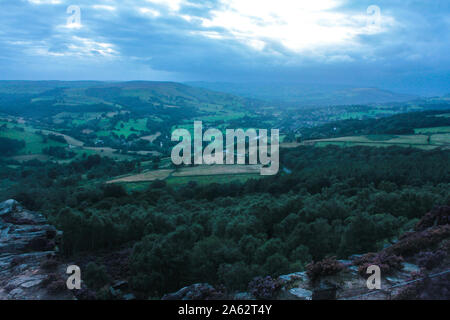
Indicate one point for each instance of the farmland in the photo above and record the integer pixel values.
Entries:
(205, 170)
(417, 141)
(134, 121)
(35, 141)
(203, 174)
(144, 177)
(208, 179)
(432, 130)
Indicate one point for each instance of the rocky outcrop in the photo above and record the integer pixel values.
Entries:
(417, 266)
(198, 291)
(29, 269)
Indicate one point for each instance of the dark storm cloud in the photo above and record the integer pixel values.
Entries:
(219, 41)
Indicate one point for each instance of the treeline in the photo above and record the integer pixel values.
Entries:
(59, 152)
(9, 146)
(49, 186)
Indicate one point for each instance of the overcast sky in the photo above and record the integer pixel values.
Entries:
(402, 45)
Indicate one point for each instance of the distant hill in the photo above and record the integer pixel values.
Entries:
(39, 98)
(96, 89)
(36, 87)
(307, 95)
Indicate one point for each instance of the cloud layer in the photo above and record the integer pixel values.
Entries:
(401, 45)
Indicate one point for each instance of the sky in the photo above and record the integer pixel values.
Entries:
(400, 45)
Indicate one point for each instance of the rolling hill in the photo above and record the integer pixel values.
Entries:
(307, 94)
(43, 98)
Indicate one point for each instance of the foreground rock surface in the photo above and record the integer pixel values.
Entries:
(29, 269)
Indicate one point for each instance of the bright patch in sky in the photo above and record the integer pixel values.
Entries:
(103, 7)
(171, 4)
(297, 25)
(45, 1)
(151, 12)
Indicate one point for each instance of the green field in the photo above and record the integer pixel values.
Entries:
(203, 174)
(380, 137)
(202, 180)
(199, 180)
(128, 128)
(432, 130)
(376, 145)
(441, 139)
(122, 128)
(417, 141)
(34, 143)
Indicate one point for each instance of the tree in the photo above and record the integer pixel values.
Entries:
(9, 146)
